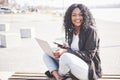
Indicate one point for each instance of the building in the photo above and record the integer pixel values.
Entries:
(3, 2)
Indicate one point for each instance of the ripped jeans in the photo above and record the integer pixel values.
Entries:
(67, 63)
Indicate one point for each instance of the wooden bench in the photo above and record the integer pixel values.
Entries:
(42, 76)
(28, 76)
(110, 77)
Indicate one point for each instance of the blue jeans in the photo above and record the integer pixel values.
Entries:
(67, 62)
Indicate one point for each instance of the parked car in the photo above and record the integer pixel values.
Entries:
(5, 10)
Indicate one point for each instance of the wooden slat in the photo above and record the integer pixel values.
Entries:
(111, 74)
(27, 73)
(42, 76)
(28, 76)
(110, 77)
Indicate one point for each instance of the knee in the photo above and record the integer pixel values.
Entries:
(64, 57)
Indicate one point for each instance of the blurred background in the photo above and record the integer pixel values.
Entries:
(24, 6)
(23, 20)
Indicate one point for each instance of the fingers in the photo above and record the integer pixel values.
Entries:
(56, 54)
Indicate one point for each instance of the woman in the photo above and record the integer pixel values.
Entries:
(81, 58)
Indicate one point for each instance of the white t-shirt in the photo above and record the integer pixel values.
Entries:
(74, 44)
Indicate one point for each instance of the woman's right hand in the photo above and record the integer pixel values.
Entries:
(59, 52)
(56, 54)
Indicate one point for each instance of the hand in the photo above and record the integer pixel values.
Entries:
(59, 52)
(64, 46)
(56, 54)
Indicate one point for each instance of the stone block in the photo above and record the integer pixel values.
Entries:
(27, 32)
(4, 27)
(9, 40)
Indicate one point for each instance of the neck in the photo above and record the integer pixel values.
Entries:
(77, 29)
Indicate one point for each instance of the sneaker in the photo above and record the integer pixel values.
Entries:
(48, 74)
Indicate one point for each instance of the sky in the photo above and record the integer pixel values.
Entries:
(64, 3)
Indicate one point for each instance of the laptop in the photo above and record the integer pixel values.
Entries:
(45, 47)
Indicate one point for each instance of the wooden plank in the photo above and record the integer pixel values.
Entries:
(25, 74)
(29, 76)
(42, 76)
(111, 74)
(108, 79)
(111, 77)
(28, 73)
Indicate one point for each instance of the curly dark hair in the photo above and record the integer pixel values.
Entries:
(88, 19)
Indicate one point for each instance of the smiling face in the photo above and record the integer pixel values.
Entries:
(76, 17)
